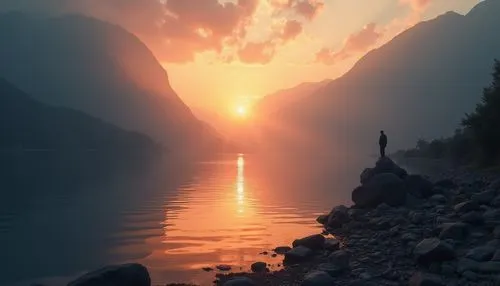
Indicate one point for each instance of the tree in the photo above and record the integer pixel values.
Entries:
(484, 122)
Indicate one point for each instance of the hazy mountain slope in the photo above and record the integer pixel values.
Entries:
(101, 69)
(420, 84)
(26, 123)
(274, 102)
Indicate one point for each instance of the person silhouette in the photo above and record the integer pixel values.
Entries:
(382, 142)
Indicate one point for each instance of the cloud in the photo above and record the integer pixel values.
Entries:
(263, 52)
(356, 43)
(257, 53)
(291, 30)
(176, 30)
(308, 9)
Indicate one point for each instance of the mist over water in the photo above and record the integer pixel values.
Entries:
(57, 222)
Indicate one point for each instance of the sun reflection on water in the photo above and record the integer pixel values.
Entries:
(240, 184)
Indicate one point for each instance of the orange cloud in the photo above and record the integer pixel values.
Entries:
(291, 30)
(356, 43)
(308, 9)
(176, 30)
(263, 52)
(257, 53)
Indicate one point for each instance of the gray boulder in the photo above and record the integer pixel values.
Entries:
(446, 184)
(259, 267)
(481, 253)
(330, 268)
(386, 165)
(433, 250)
(425, 279)
(338, 216)
(322, 219)
(366, 175)
(332, 244)
(466, 207)
(496, 232)
(489, 267)
(340, 259)
(314, 242)
(282, 249)
(418, 186)
(466, 264)
(318, 278)
(382, 188)
(117, 275)
(297, 254)
(473, 217)
(456, 231)
(438, 199)
(484, 198)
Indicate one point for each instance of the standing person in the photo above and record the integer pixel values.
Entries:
(382, 142)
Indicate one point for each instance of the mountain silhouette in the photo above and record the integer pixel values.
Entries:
(420, 84)
(101, 69)
(276, 101)
(28, 124)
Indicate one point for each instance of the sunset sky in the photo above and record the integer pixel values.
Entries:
(227, 53)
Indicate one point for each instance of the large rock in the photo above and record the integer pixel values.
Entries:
(456, 231)
(383, 165)
(259, 267)
(330, 268)
(481, 253)
(117, 275)
(473, 217)
(418, 186)
(386, 165)
(466, 207)
(433, 250)
(366, 175)
(318, 278)
(425, 279)
(446, 184)
(322, 219)
(382, 188)
(314, 242)
(484, 198)
(337, 217)
(282, 249)
(340, 259)
(297, 254)
(332, 244)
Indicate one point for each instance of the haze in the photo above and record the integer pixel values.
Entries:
(234, 52)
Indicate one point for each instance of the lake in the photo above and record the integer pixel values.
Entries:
(59, 219)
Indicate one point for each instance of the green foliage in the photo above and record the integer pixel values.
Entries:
(485, 120)
(479, 139)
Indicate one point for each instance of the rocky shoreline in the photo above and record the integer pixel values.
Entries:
(402, 230)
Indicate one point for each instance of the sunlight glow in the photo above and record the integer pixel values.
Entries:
(240, 184)
(241, 111)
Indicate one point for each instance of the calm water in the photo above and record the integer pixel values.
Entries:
(58, 220)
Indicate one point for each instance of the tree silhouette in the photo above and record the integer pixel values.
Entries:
(484, 122)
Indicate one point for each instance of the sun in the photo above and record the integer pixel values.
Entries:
(241, 111)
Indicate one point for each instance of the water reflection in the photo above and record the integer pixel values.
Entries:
(240, 184)
(175, 218)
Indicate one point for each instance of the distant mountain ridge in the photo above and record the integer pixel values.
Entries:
(101, 69)
(28, 124)
(420, 84)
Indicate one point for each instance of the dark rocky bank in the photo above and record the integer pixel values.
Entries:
(403, 229)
